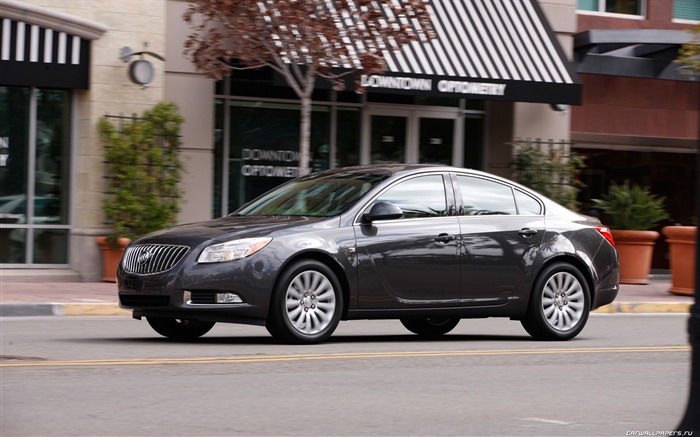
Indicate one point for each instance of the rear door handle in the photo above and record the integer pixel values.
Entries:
(527, 232)
(444, 238)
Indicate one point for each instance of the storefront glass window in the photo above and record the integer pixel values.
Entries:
(629, 7)
(264, 146)
(34, 175)
(52, 159)
(686, 9)
(218, 152)
(14, 144)
(347, 151)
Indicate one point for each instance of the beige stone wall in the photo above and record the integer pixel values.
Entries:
(194, 93)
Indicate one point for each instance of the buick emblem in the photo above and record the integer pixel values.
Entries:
(144, 257)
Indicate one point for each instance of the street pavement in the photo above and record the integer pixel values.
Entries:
(100, 298)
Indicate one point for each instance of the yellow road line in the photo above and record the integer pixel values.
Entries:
(339, 356)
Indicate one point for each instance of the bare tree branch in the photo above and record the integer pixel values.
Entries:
(302, 40)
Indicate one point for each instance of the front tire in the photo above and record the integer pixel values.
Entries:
(306, 304)
(559, 304)
(179, 329)
(430, 326)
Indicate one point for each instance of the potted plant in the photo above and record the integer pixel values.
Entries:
(682, 252)
(143, 170)
(631, 211)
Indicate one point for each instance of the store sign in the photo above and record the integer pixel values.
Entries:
(4, 150)
(433, 86)
(269, 163)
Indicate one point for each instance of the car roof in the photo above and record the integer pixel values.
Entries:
(392, 169)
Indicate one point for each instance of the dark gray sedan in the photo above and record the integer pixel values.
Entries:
(428, 245)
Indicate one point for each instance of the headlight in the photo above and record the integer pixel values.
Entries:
(232, 250)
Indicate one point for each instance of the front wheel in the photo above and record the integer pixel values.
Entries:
(430, 326)
(306, 304)
(559, 304)
(179, 329)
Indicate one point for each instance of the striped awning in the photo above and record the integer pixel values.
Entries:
(483, 49)
(33, 55)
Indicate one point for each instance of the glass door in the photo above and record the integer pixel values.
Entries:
(414, 136)
(436, 140)
(388, 138)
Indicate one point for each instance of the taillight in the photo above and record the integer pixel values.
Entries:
(605, 232)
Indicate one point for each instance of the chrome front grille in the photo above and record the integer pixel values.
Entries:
(148, 259)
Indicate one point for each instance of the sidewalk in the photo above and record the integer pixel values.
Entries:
(100, 299)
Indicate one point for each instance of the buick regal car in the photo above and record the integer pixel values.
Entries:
(427, 245)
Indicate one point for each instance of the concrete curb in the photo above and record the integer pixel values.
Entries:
(112, 309)
(645, 307)
(61, 309)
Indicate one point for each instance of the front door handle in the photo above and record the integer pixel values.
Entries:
(444, 238)
(527, 232)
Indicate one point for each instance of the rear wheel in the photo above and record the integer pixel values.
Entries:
(179, 329)
(431, 326)
(559, 304)
(306, 304)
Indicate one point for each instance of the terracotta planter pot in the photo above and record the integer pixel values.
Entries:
(636, 249)
(682, 250)
(110, 257)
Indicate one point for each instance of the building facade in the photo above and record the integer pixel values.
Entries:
(496, 73)
(640, 115)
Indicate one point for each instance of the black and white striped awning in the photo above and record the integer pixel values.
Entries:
(32, 55)
(483, 49)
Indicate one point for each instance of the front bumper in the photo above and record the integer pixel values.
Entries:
(189, 291)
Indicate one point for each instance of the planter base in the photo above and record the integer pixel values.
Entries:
(111, 256)
(635, 249)
(681, 243)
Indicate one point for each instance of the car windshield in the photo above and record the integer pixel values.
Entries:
(320, 195)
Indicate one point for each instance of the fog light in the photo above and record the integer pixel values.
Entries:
(228, 298)
(187, 297)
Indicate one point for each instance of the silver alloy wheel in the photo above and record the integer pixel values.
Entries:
(563, 301)
(310, 302)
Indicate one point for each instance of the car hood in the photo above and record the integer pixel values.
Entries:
(226, 228)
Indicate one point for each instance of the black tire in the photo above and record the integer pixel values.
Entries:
(306, 304)
(559, 304)
(179, 329)
(430, 326)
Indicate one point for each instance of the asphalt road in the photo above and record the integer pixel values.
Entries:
(98, 376)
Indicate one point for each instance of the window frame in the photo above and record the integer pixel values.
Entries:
(460, 198)
(601, 11)
(448, 187)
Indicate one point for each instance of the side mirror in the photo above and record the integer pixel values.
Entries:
(382, 211)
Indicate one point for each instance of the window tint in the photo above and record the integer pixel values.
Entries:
(527, 205)
(418, 197)
(686, 9)
(485, 197)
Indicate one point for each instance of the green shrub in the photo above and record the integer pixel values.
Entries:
(631, 207)
(143, 171)
(552, 173)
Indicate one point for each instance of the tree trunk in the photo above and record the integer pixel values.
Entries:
(305, 136)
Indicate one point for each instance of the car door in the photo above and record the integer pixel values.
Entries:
(412, 261)
(499, 238)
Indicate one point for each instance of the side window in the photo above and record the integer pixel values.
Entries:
(423, 196)
(485, 197)
(526, 204)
